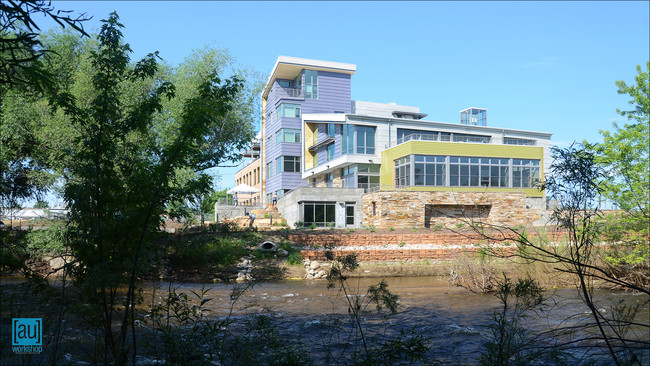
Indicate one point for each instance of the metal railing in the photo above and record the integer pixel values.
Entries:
(241, 202)
(417, 137)
(290, 92)
(442, 137)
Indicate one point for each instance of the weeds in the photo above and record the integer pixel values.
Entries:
(408, 346)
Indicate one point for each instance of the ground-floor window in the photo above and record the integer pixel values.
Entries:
(318, 213)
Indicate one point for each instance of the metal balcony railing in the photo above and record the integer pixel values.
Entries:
(417, 137)
(289, 93)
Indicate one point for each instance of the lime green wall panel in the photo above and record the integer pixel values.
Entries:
(388, 157)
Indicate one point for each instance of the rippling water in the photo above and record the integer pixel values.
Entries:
(457, 321)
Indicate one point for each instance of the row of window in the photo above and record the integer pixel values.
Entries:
(458, 171)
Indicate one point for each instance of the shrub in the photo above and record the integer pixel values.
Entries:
(202, 251)
(294, 259)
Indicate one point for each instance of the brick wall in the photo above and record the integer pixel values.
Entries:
(318, 239)
(389, 255)
(380, 247)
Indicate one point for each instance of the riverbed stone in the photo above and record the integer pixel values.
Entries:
(282, 253)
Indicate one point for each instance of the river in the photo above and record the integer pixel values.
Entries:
(457, 322)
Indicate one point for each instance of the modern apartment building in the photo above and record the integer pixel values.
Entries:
(350, 163)
(297, 86)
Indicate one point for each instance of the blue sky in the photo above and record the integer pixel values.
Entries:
(541, 66)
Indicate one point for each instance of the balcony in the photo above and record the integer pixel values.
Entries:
(451, 137)
(288, 93)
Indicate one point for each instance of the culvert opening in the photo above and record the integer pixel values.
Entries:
(268, 246)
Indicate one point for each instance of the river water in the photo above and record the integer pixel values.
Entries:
(456, 321)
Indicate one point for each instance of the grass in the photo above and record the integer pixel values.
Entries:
(201, 251)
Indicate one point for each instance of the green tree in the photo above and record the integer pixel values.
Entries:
(625, 153)
(123, 171)
(20, 46)
(23, 79)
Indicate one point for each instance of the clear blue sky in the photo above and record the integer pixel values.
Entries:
(541, 66)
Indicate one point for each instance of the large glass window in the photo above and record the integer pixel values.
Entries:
(430, 170)
(478, 172)
(403, 172)
(347, 143)
(331, 130)
(330, 151)
(464, 171)
(288, 135)
(365, 140)
(318, 213)
(349, 176)
(525, 173)
(311, 84)
(288, 110)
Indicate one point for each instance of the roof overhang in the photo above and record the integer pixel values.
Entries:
(289, 67)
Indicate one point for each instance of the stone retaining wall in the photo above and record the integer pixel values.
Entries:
(405, 209)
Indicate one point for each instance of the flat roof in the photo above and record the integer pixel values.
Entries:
(287, 67)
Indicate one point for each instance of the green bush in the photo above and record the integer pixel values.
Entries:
(294, 259)
(49, 241)
(202, 251)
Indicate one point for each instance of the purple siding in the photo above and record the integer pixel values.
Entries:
(334, 95)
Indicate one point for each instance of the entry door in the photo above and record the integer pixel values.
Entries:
(349, 214)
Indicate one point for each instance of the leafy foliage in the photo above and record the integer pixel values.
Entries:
(625, 154)
(124, 173)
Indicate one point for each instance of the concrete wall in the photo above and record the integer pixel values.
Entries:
(290, 209)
